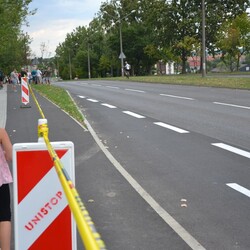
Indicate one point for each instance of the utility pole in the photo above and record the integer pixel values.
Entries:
(89, 71)
(70, 67)
(122, 56)
(203, 39)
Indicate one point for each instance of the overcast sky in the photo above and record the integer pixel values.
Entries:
(55, 18)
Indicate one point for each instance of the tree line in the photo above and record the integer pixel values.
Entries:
(155, 30)
(170, 31)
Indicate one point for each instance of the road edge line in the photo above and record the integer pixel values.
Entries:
(180, 230)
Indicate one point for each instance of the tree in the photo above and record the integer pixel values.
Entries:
(14, 45)
(136, 36)
(234, 40)
(73, 53)
(182, 18)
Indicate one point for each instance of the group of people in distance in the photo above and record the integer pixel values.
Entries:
(36, 76)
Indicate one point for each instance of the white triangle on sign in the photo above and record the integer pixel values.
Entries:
(122, 56)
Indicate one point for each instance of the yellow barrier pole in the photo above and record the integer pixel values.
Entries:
(91, 239)
(36, 102)
(89, 235)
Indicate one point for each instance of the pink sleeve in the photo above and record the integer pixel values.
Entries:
(5, 174)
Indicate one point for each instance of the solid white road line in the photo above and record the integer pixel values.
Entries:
(179, 97)
(133, 114)
(178, 130)
(232, 149)
(239, 188)
(135, 90)
(108, 105)
(231, 105)
(181, 231)
(80, 96)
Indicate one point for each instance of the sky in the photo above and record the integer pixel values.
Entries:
(54, 19)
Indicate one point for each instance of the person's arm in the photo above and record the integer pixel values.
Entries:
(7, 146)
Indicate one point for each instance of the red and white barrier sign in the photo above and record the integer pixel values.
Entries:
(25, 91)
(43, 219)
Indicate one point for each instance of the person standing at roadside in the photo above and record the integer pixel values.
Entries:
(5, 179)
(34, 78)
(14, 79)
(1, 78)
(39, 76)
(23, 72)
(29, 76)
(48, 75)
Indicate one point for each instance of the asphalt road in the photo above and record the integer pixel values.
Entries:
(122, 217)
(184, 150)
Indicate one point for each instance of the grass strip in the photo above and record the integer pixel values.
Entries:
(232, 81)
(60, 97)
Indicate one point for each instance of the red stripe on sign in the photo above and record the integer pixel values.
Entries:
(24, 100)
(57, 235)
(25, 90)
(32, 166)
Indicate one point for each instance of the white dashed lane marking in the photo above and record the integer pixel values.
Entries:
(239, 188)
(96, 85)
(232, 149)
(108, 105)
(135, 90)
(133, 114)
(231, 105)
(82, 97)
(92, 100)
(179, 97)
(112, 87)
(178, 130)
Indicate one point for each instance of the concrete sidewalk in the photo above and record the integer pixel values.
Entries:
(3, 106)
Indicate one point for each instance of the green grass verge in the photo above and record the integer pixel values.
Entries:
(216, 80)
(60, 97)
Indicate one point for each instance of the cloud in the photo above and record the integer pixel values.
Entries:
(55, 18)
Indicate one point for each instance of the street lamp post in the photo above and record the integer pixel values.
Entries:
(70, 67)
(89, 71)
(203, 39)
(122, 55)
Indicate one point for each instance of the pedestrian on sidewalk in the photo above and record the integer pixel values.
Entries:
(47, 75)
(39, 76)
(14, 79)
(1, 78)
(23, 72)
(5, 179)
(34, 77)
